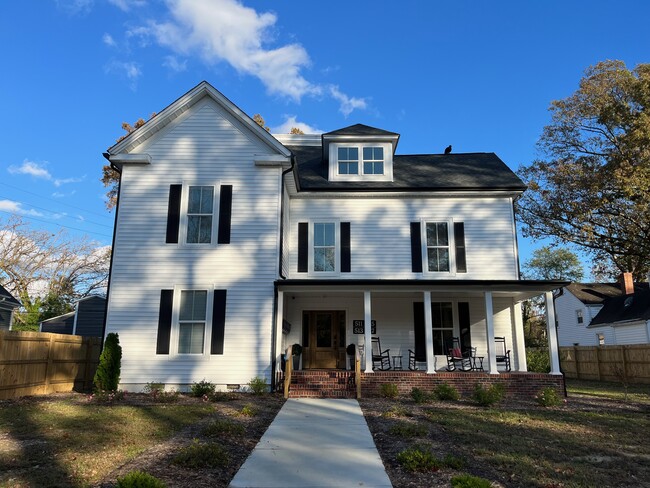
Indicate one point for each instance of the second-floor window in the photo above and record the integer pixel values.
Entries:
(325, 247)
(370, 161)
(579, 317)
(200, 208)
(348, 160)
(437, 240)
(373, 160)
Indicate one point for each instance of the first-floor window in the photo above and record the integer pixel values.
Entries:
(442, 317)
(192, 321)
(324, 247)
(437, 246)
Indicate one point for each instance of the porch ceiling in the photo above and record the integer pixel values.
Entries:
(516, 289)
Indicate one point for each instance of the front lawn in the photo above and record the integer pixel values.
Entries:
(595, 439)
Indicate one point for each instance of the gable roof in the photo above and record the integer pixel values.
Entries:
(418, 172)
(360, 130)
(7, 299)
(625, 308)
(181, 105)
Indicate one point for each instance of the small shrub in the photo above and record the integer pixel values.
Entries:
(488, 396)
(226, 428)
(170, 396)
(258, 386)
(153, 389)
(202, 455)
(418, 459)
(538, 360)
(408, 429)
(446, 392)
(469, 481)
(453, 462)
(222, 396)
(248, 411)
(102, 396)
(420, 396)
(396, 411)
(107, 376)
(139, 479)
(548, 397)
(201, 388)
(388, 390)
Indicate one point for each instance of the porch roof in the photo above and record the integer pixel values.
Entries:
(517, 289)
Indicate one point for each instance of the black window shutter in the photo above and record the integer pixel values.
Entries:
(164, 321)
(418, 328)
(346, 265)
(303, 247)
(464, 325)
(416, 247)
(459, 240)
(218, 321)
(173, 214)
(225, 214)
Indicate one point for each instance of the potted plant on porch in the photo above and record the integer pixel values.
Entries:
(296, 351)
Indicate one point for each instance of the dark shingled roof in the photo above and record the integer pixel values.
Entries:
(8, 298)
(594, 293)
(419, 172)
(615, 310)
(360, 130)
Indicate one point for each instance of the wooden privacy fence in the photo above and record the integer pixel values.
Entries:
(607, 363)
(35, 363)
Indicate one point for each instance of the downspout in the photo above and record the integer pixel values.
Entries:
(275, 286)
(110, 269)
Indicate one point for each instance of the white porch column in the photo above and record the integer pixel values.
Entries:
(520, 343)
(489, 326)
(278, 332)
(551, 332)
(367, 330)
(428, 333)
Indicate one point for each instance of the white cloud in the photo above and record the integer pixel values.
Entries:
(75, 7)
(14, 207)
(126, 5)
(108, 40)
(172, 63)
(129, 70)
(348, 104)
(58, 194)
(65, 181)
(291, 122)
(31, 168)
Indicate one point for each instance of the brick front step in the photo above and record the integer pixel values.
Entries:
(322, 384)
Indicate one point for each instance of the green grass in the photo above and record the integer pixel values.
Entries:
(638, 393)
(70, 442)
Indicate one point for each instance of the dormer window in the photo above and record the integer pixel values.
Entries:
(361, 162)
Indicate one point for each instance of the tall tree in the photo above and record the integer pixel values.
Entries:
(48, 271)
(550, 263)
(592, 188)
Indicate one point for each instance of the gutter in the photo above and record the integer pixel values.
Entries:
(110, 269)
(293, 163)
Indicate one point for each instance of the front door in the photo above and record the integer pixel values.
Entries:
(323, 332)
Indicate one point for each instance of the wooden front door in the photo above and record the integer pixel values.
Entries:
(322, 338)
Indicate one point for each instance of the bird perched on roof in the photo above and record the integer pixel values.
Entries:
(448, 149)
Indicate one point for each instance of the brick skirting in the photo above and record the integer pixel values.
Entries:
(519, 385)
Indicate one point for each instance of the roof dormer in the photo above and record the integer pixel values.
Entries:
(359, 153)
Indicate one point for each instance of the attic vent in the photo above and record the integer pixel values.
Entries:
(628, 302)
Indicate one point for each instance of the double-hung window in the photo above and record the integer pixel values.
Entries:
(192, 321)
(200, 209)
(442, 317)
(325, 247)
(348, 160)
(373, 160)
(437, 242)
(580, 319)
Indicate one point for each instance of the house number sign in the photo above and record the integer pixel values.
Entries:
(357, 327)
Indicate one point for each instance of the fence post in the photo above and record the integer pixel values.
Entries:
(90, 346)
(48, 366)
(575, 358)
(624, 362)
(598, 361)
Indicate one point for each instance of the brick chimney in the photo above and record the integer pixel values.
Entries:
(627, 284)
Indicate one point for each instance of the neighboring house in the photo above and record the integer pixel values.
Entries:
(8, 304)
(232, 244)
(592, 314)
(87, 319)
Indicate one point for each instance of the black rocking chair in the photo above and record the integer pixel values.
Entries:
(503, 354)
(457, 360)
(412, 364)
(380, 359)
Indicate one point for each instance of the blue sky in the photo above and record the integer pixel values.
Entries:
(475, 74)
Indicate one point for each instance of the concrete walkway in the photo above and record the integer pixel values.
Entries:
(315, 443)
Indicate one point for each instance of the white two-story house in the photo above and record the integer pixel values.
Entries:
(232, 244)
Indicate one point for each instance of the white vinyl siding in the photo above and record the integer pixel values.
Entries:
(380, 241)
(202, 146)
